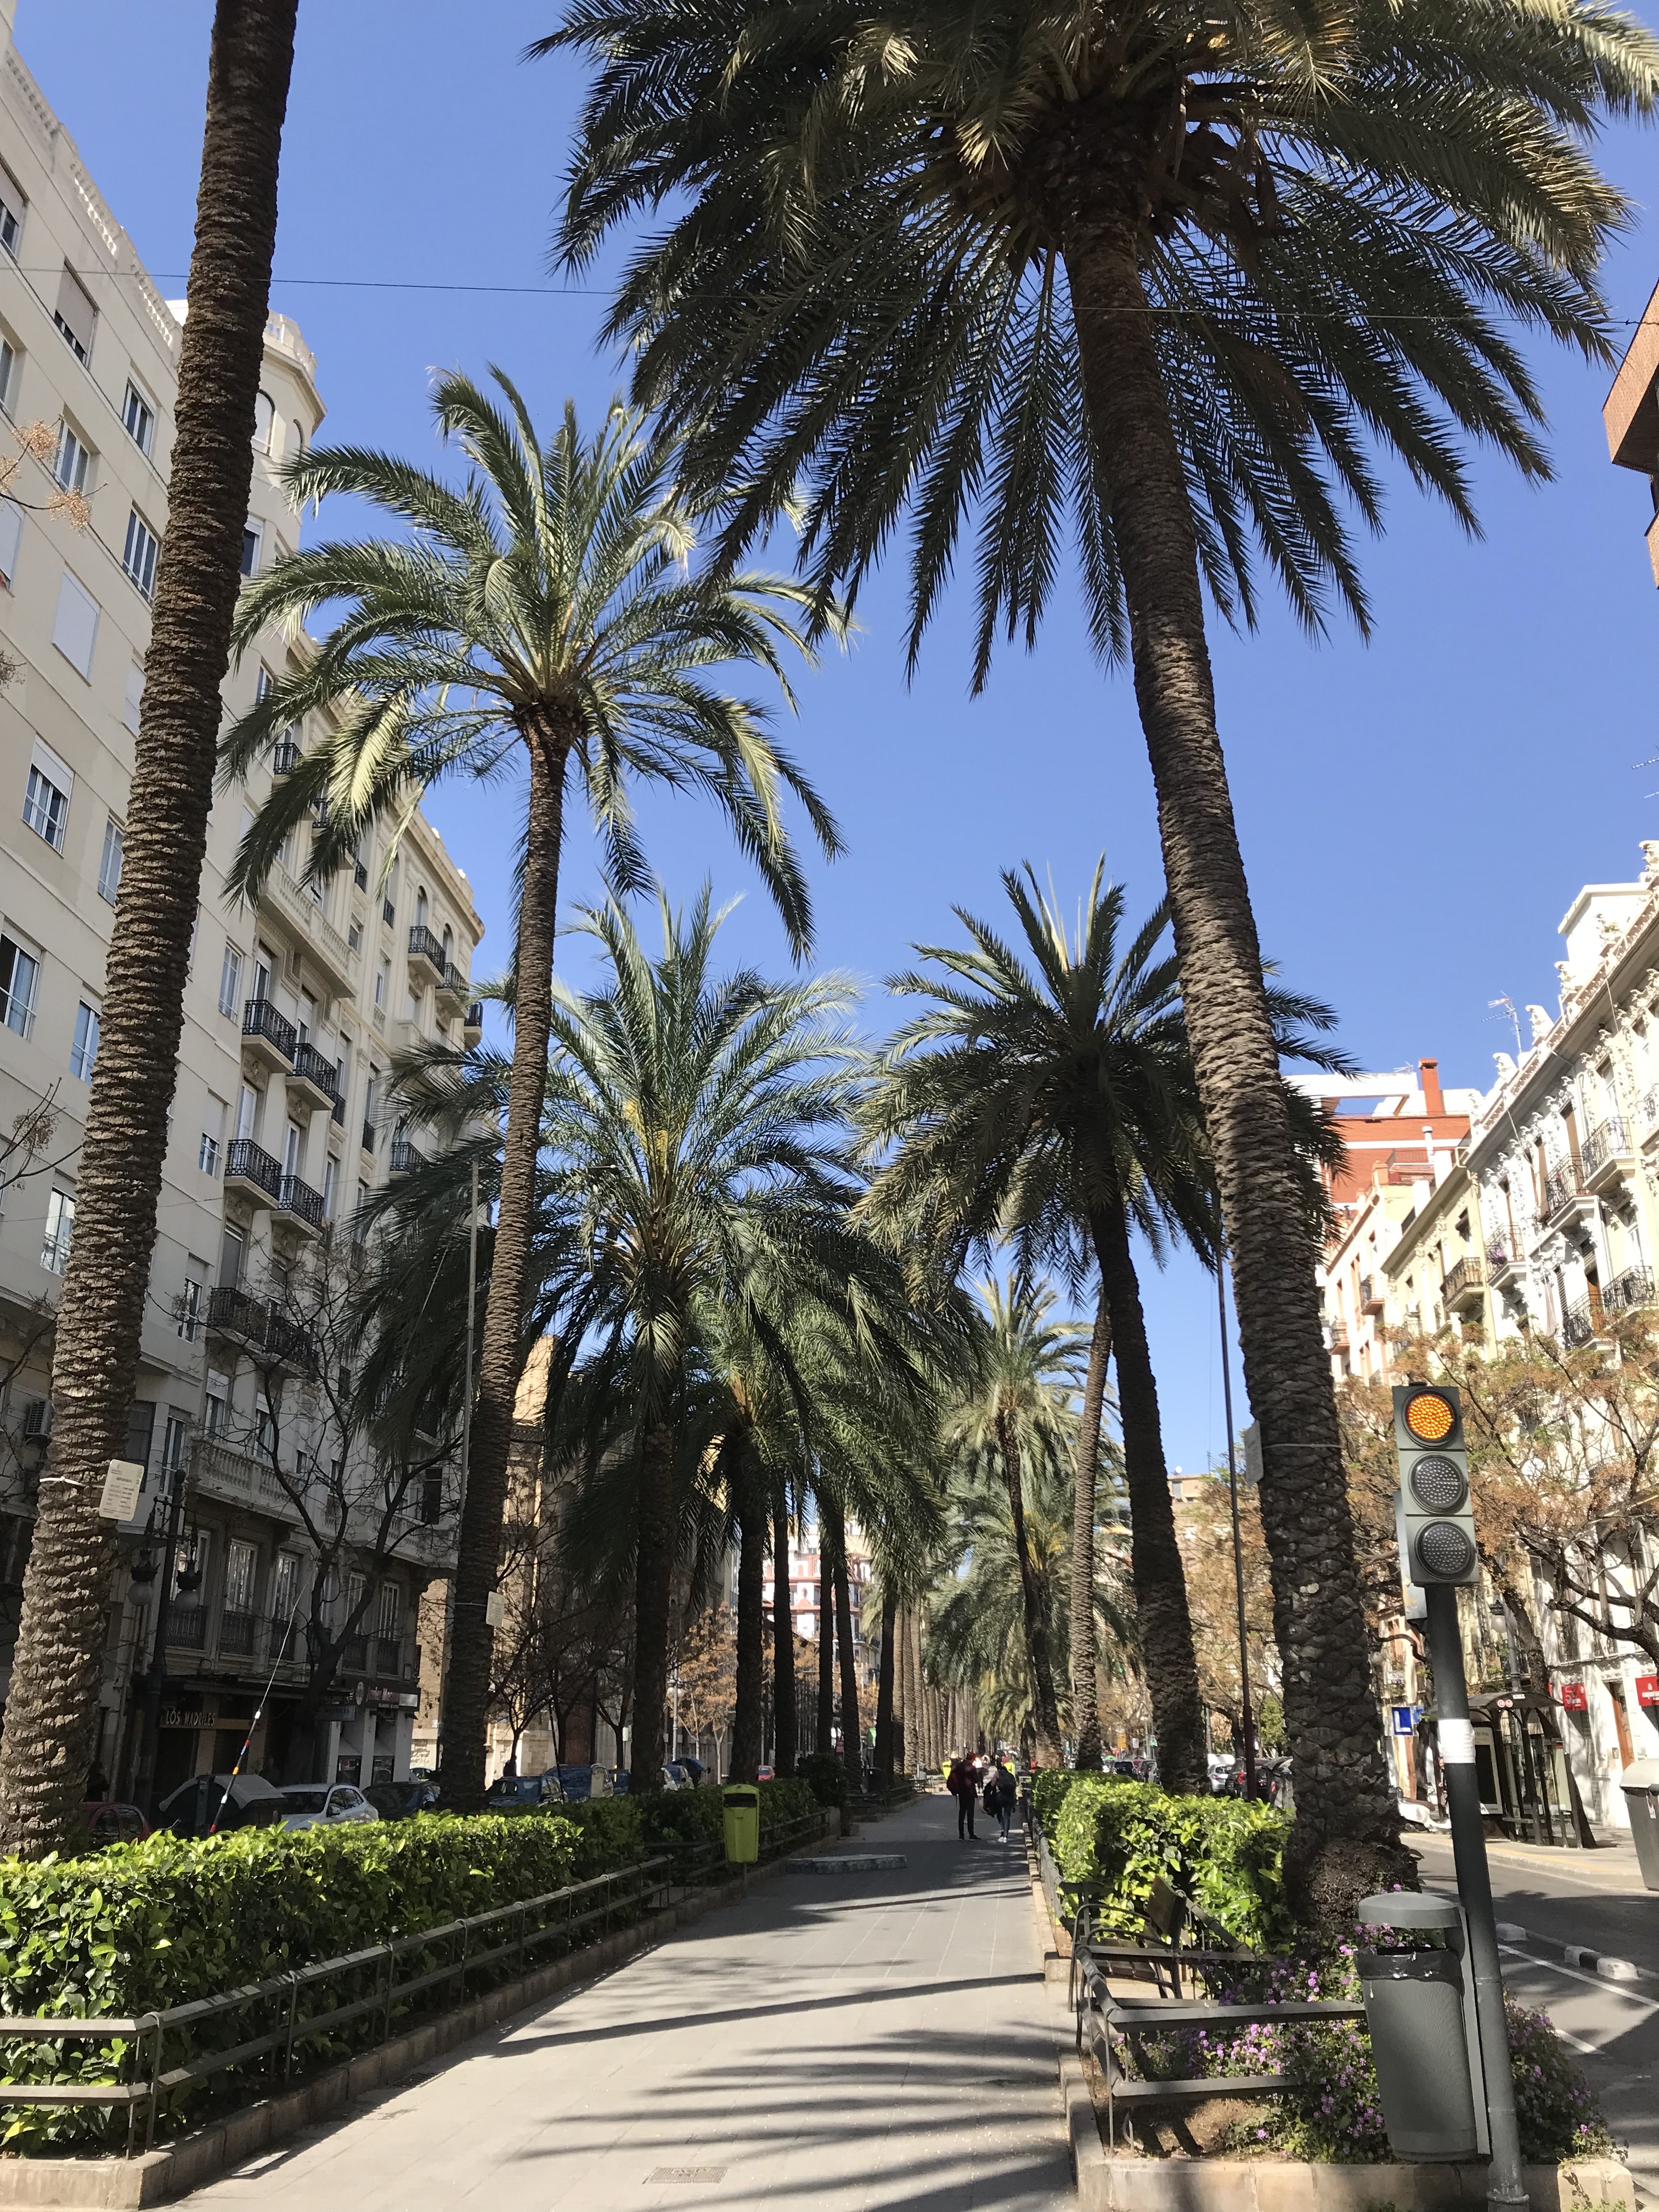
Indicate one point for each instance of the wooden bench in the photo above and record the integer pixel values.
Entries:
(1107, 2023)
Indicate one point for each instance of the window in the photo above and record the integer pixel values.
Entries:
(46, 801)
(382, 983)
(75, 629)
(189, 1308)
(20, 972)
(174, 1438)
(285, 1586)
(139, 558)
(60, 1227)
(216, 1411)
(74, 462)
(12, 206)
(331, 1182)
(247, 1111)
(251, 535)
(230, 981)
(241, 1564)
(84, 1051)
(133, 703)
(213, 1135)
(109, 868)
(75, 316)
(265, 415)
(420, 910)
(11, 537)
(389, 1614)
(138, 418)
(231, 1246)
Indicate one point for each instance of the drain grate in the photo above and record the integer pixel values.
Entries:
(688, 2173)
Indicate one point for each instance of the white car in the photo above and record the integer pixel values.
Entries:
(325, 1805)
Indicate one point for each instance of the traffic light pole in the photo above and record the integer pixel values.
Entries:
(1505, 2185)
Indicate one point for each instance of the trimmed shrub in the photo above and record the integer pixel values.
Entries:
(1226, 1856)
(824, 1775)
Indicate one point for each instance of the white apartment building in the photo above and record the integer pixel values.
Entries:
(293, 1009)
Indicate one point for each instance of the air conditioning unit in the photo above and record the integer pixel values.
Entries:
(37, 1417)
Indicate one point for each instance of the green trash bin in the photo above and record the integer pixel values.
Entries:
(742, 1806)
(1420, 2012)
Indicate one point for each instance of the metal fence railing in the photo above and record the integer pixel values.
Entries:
(263, 2035)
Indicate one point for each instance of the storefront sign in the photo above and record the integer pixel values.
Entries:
(183, 1717)
(1575, 1699)
(1647, 1689)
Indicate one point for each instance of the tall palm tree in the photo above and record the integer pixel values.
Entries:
(1013, 1415)
(544, 616)
(58, 1663)
(1172, 270)
(1048, 1091)
(699, 1125)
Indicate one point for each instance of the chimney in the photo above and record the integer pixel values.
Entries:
(1429, 1071)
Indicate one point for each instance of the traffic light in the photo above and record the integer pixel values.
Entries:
(1437, 1516)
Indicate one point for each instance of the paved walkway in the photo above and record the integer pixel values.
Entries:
(864, 2043)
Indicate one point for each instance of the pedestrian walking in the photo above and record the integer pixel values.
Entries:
(1001, 1796)
(961, 1784)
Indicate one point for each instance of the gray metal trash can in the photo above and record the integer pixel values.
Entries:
(1423, 2033)
(1640, 1784)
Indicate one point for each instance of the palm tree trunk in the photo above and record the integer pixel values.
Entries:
(56, 1667)
(1160, 1580)
(785, 1729)
(478, 1551)
(747, 1744)
(826, 1646)
(1085, 1703)
(884, 1698)
(653, 1590)
(1045, 1709)
(852, 1734)
(1345, 1839)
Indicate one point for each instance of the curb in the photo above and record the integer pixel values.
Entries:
(1589, 1961)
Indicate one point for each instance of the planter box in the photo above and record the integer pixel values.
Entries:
(1106, 2183)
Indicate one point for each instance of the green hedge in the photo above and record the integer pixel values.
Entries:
(142, 1926)
(1223, 1854)
(825, 1775)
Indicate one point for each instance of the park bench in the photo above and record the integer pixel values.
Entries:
(1109, 2024)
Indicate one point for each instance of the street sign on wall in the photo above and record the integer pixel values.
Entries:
(1647, 1689)
(1575, 1699)
(1403, 1719)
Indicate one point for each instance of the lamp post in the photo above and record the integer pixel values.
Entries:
(1247, 1717)
(142, 1755)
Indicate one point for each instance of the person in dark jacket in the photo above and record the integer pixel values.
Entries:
(961, 1784)
(1001, 1796)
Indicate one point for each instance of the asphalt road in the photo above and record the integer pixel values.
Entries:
(1595, 1899)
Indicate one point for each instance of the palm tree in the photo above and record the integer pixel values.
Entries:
(542, 614)
(1012, 1416)
(56, 1665)
(700, 1125)
(1171, 270)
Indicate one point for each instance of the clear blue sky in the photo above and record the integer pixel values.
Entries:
(1416, 813)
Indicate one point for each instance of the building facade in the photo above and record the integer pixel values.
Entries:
(293, 1006)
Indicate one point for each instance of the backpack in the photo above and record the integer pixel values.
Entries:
(991, 1795)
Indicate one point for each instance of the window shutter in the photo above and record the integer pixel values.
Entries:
(54, 771)
(11, 537)
(75, 631)
(76, 311)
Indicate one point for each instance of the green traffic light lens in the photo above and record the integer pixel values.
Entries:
(1444, 1550)
(1437, 1484)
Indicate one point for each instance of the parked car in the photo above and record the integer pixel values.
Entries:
(325, 1805)
(113, 1823)
(214, 1800)
(522, 1793)
(765, 1774)
(688, 1773)
(401, 1801)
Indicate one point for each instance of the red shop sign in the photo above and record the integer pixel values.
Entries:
(1647, 1689)
(1575, 1699)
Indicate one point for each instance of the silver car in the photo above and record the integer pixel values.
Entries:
(325, 1805)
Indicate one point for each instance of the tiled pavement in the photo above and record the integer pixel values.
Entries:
(876, 2042)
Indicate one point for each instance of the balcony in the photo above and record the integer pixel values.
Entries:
(394, 1659)
(252, 1172)
(368, 1137)
(187, 1627)
(1579, 1324)
(238, 1633)
(337, 1113)
(268, 1037)
(284, 756)
(473, 1027)
(1627, 1292)
(1465, 1286)
(312, 1083)
(299, 906)
(360, 875)
(425, 958)
(1506, 1261)
(238, 1316)
(219, 1470)
(1371, 1300)
(452, 987)
(353, 1655)
(302, 1207)
(1609, 1157)
(1564, 1191)
(406, 1157)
